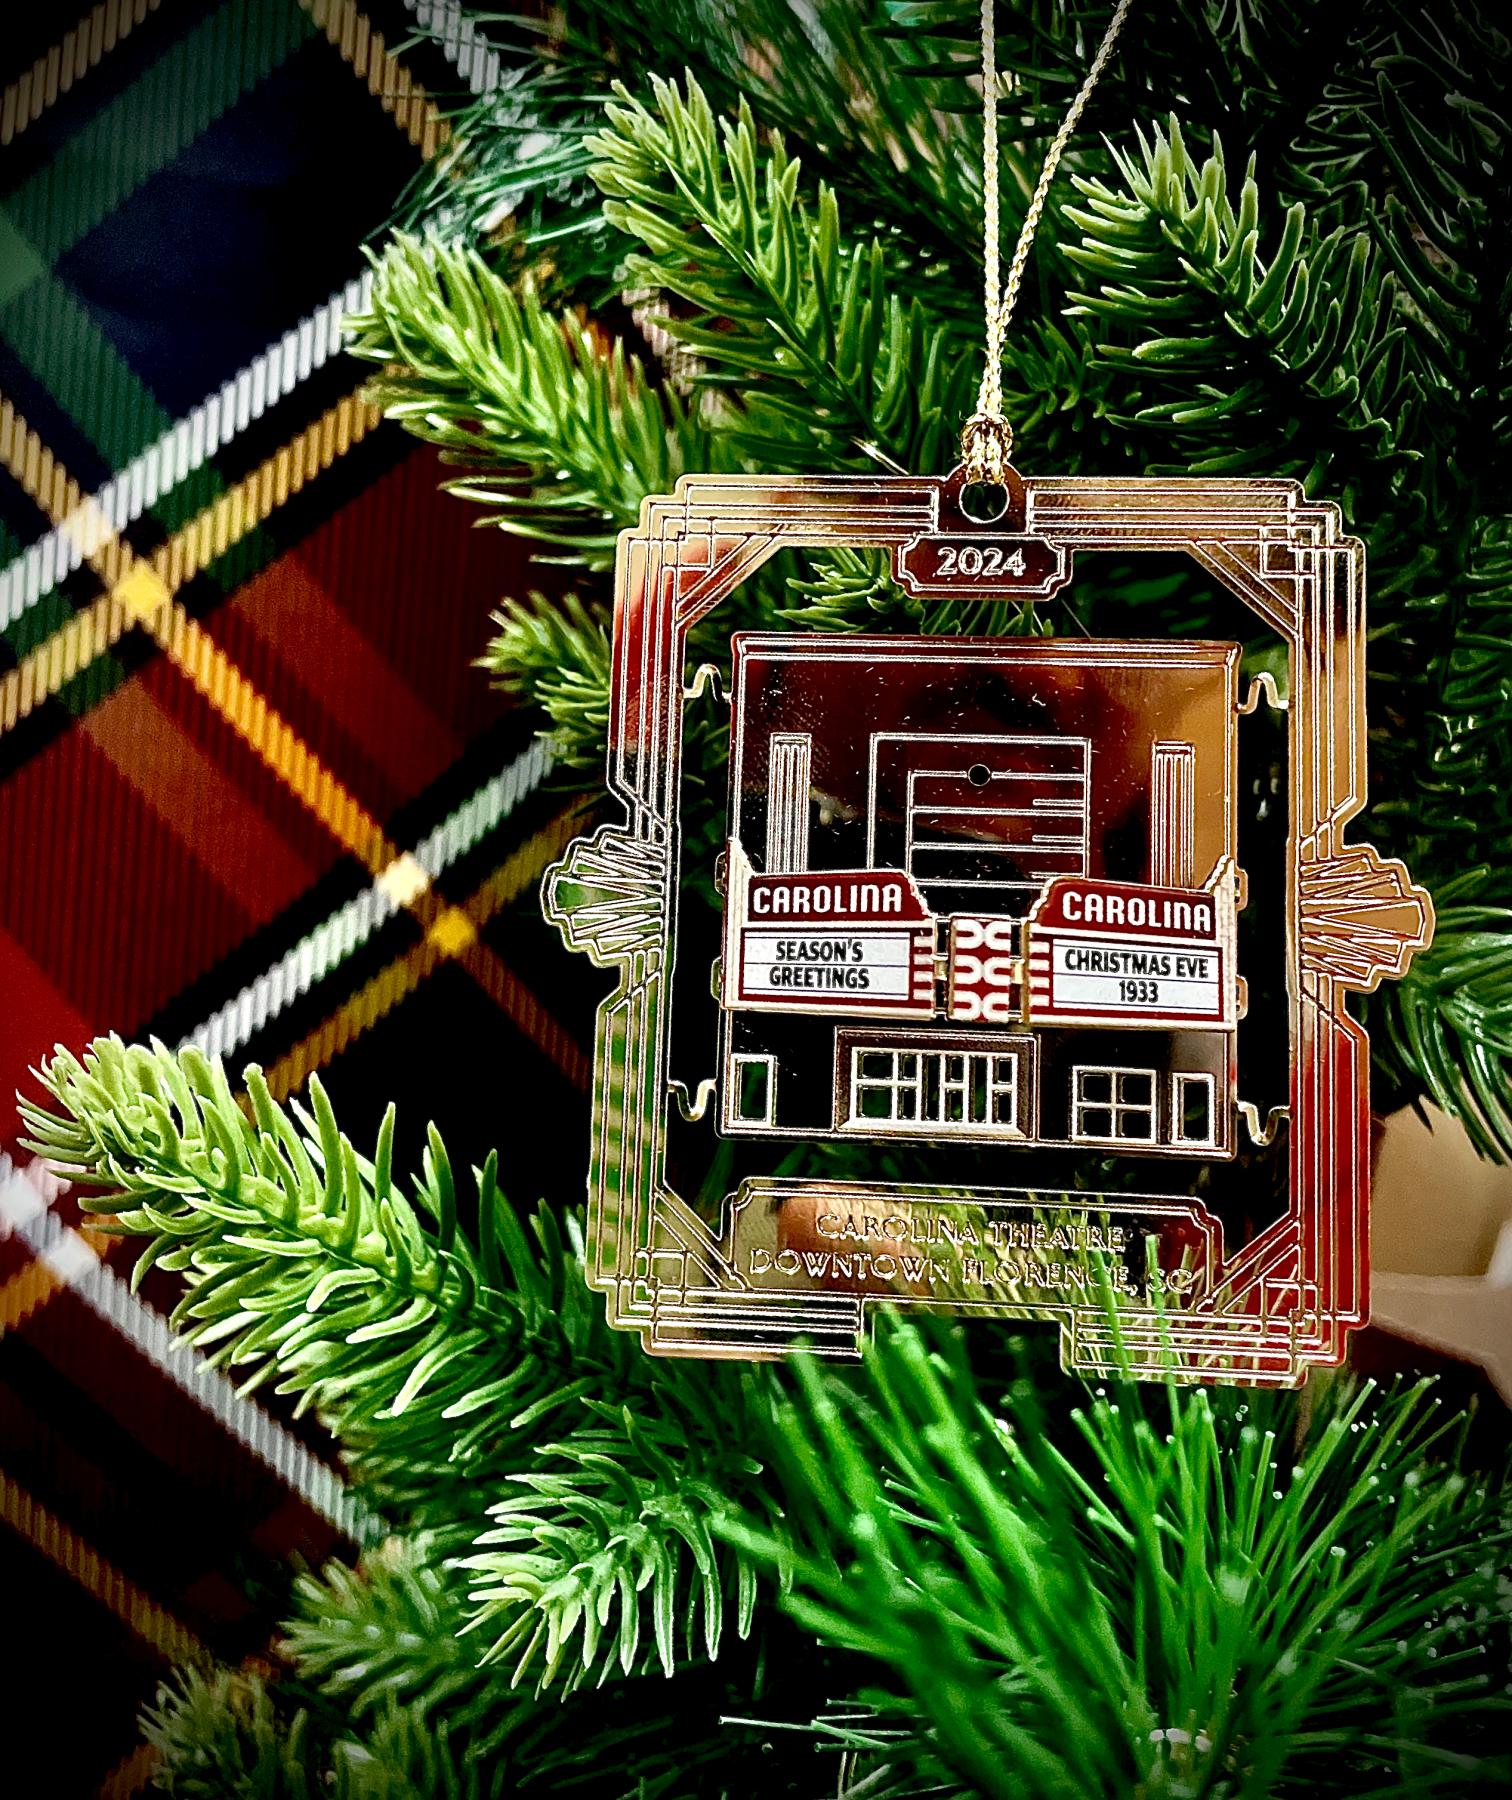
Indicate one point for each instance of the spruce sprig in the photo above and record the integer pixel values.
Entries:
(1276, 357)
(1189, 1592)
(307, 1267)
(557, 656)
(834, 368)
(218, 1733)
(1450, 1019)
(561, 433)
(449, 1371)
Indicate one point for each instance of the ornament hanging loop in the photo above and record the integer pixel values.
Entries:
(986, 445)
(971, 502)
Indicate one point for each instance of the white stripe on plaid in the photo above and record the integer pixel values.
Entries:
(459, 39)
(26, 1209)
(348, 928)
(180, 451)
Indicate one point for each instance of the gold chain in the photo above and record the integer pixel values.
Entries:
(988, 437)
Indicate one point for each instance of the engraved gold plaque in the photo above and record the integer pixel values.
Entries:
(993, 963)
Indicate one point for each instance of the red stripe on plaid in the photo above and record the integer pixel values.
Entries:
(419, 585)
(214, 819)
(370, 728)
(34, 1015)
(101, 892)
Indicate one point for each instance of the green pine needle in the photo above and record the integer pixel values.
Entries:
(562, 435)
(1163, 1592)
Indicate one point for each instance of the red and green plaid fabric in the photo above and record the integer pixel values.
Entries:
(252, 791)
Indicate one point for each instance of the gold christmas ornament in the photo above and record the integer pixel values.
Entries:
(1001, 998)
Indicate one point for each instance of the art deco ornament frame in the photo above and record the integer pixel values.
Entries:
(1261, 1312)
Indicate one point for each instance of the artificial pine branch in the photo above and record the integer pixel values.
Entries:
(557, 657)
(447, 1370)
(833, 369)
(864, 96)
(563, 435)
(223, 1734)
(1188, 1592)
(1449, 1020)
(394, 1637)
(306, 1266)
(1278, 358)
(513, 180)
(389, 1635)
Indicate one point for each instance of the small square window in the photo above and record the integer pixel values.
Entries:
(1110, 1104)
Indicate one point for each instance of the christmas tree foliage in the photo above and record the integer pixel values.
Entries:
(745, 235)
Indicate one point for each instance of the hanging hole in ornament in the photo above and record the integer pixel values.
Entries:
(984, 502)
(979, 774)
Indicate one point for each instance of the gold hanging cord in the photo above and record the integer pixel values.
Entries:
(987, 438)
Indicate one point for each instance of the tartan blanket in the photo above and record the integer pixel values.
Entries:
(252, 792)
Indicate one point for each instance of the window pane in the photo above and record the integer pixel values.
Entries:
(978, 1113)
(1094, 1084)
(1097, 1121)
(1194, 1117)
(1133, 1123)
(955, 1091)
(755, 1087)
(1136, 1087)
(875, 1103)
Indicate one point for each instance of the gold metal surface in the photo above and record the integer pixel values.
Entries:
(801, 1258)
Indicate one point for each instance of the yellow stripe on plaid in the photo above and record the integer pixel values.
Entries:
(265, 731)
(396, 90)
(137, 588)
(69, 60)
(29, 1289)
(88, 43)
(453, 933)
(66, 1550)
